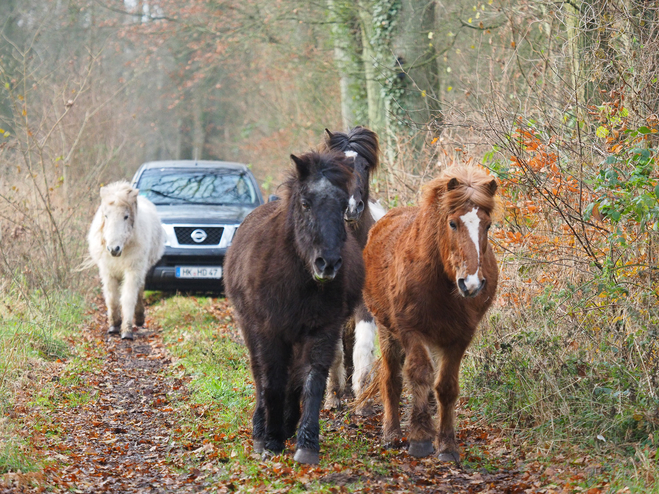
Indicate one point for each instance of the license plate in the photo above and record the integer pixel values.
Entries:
(206, 272)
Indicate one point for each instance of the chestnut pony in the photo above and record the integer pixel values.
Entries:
(430, 277)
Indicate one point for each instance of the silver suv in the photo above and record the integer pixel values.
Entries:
(200, 204)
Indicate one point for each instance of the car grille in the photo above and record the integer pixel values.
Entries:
(183, 235)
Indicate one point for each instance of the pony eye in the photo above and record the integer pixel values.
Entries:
(305, 205)
(452, 225)
(126, 217)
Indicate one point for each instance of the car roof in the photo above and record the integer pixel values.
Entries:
(228, 165)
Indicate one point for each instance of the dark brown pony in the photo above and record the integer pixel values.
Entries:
(430, 277)
(355, 354)
(294, 275)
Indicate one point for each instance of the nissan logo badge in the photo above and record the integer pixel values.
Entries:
(198, 236)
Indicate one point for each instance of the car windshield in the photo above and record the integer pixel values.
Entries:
(170, 186)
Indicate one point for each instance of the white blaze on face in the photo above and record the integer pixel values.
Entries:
(472, 222)
(321, 187)
(352, 204)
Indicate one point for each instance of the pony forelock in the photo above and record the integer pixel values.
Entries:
(473, 186)
(332, 165)
(119, 193)
(360, 140)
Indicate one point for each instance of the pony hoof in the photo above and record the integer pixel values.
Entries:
(139, 323)
(420, 448)
(259, 446)
(332, 403)
(128, 335)
(307, 456)
(114, 330)
(266, 454)
(449, 456)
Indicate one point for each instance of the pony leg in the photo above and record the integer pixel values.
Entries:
(447, 388)
(258, 418)
(348, 349)
(363, 354)
(419, 371)
(111, 295)
(337, 379)
(292, 409)
(129, 292)
(139, 308)
(391, 386)
(274, 359)
(319, 356)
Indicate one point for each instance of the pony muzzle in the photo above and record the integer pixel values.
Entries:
(115, 250)
(471, 286)
(354, 211)
(325, 268)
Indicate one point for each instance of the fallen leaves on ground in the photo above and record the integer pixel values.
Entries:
(139, 431)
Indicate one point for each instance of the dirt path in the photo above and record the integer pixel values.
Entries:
(127, 439)
(120, 441)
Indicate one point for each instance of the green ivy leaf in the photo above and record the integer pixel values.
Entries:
(644, 130)
(656, 191)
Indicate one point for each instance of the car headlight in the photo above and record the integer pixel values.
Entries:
(232, 234)
(167, 244)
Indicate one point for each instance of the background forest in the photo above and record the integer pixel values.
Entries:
(559, 100)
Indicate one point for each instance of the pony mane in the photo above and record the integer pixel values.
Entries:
(473, 185)
(332, 165)
(359, 139)
(119, 193)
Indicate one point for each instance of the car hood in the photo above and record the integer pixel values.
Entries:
(182, 213)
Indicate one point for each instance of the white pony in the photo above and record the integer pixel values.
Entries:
(126, 238)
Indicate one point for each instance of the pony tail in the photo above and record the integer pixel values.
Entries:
(87, 263)
(372, 389)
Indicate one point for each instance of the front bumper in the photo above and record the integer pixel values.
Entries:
(163, 275)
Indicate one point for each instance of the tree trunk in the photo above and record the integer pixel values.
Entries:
(344, 51)
(198, 130)
(376, 114)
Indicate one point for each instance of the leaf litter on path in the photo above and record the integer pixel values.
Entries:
(135, 436)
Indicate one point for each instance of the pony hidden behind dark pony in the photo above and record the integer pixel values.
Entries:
(356, 353)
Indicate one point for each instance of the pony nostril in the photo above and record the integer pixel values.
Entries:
(462, 286)
(360, 207)
(320, 264)
(338, 264)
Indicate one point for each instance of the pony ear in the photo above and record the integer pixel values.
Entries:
(301, 166)
(452, 184)
(329, 134)
(132, 193)
(104, 191)
(492, 187)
